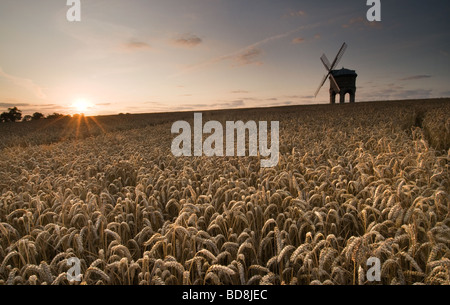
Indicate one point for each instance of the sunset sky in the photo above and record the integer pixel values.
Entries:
(142, 56)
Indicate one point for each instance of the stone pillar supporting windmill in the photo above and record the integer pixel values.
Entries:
(342, 81)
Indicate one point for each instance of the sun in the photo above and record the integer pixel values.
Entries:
(82, 105)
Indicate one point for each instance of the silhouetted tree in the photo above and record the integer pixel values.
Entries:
(12, 115)
(27, 118)
(15, 114)
(55, 116)
(37, 116)
(3, 117)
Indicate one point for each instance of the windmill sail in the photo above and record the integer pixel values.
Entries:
(326, 62)
(334, 84)
(321, 84)
(339, 56)
(329, 67)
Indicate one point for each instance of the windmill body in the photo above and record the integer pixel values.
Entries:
(346, 82)
(342, 81)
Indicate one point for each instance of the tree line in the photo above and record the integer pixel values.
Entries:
(15, 115)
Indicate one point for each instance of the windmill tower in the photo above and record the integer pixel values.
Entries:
(342, 81)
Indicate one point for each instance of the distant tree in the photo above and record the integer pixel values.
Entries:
(37, 116)
(15, 114)
(55, 116)
(12, 115)
(27, 118)
(3, 117)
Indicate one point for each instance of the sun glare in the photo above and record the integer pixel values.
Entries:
(81, 105)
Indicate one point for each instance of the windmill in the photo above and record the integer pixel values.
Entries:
(341, 81)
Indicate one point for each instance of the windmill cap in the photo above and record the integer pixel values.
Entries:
(343, 72)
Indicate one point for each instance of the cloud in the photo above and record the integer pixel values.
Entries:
(10, 105)
(236, 103)
(298, 40)
(248, 57)
(410, 94)
(12, 102)
(101, 39)
(299, 97)
(31, 108)
(246, 49)
(154, 103)
(393, 92)
(135, 45)
(239, 92)
(417, 93)
(49, 106)
(360, 23)
(187, 40)
(25, 83)
(293, 13)
(219, 105)
(274, 103)
(160, 107)
(415, 77)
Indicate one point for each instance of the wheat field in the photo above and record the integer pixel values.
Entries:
(353, 182)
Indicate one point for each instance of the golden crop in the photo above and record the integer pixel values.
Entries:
(353, 182)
